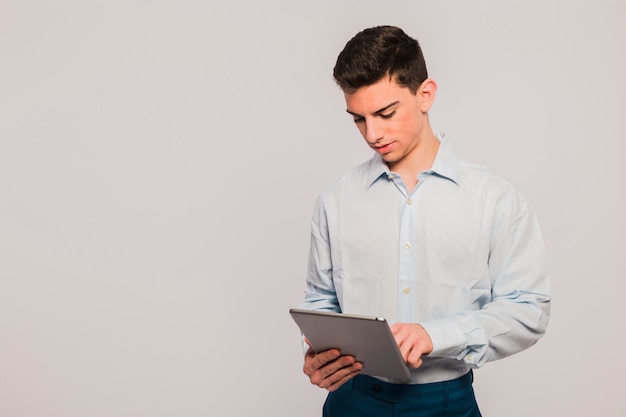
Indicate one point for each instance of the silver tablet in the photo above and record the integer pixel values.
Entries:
(367, 338)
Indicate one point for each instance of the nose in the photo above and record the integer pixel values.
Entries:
(373, 131)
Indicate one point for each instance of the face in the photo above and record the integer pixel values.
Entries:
(391, 118)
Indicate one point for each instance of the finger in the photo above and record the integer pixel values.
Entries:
(341, 376)
(338, 364)
(334, 371)
(314, 361)
(405, 347)
(334, 386)
(415, 359)
(415, 354)
(416, 364)
(399, 331)
(328, 371)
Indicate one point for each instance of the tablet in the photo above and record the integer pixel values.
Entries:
(367, 338)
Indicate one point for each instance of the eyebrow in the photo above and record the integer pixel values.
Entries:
(379, 111)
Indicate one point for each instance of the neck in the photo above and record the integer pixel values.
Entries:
(421, 159)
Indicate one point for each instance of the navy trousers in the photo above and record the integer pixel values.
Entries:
(364, 396)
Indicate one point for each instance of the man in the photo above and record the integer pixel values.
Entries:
(443, 249)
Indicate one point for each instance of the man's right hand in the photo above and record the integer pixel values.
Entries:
(328, 369)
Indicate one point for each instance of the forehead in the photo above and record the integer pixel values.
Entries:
(371, 98)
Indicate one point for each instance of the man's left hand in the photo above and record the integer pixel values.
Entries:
(413, 342)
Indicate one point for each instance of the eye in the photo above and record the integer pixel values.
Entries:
(358, 119)
(388, 115)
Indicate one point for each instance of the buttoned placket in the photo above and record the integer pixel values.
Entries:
(407, 245)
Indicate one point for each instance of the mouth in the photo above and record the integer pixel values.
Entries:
(383, 149)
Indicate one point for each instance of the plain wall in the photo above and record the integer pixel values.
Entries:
(159, 162)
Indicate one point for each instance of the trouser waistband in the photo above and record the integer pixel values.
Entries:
(408, 392)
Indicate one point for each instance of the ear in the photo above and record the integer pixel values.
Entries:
(427, 92)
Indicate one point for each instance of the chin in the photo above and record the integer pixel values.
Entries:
(389, 158)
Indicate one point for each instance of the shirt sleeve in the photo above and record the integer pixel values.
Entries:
(320, 291)
(518, 312)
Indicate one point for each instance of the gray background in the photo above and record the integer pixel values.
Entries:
(159, 162)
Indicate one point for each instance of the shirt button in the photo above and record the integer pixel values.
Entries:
(406, 290)
(407, 245)
(409, 201)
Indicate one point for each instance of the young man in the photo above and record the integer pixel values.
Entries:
(447, 252)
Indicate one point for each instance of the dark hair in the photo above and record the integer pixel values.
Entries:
(378, 52)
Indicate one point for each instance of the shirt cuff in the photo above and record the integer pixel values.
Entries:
(460, 338)
(448, 337)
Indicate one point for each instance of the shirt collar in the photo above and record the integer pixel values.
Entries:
(446, 164)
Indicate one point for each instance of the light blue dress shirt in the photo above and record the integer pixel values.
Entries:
(461, 254)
